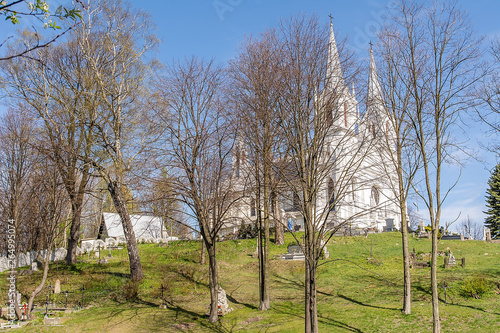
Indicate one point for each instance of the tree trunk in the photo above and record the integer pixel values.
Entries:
(434, 285)
(279, 234)
(213, 282)
(203, 259)
(74, 234)
(404, 236)
(39, 288)
(406, 265)
(133, 251)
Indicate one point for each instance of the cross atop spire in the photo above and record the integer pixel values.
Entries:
(331, 19)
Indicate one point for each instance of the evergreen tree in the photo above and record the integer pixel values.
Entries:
(492, 220)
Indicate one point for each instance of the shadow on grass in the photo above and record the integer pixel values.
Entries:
(130, 312)
(292, 310)
(339, 324)
(365, 304)
(298, 282)
(474, 308)
(233, 300)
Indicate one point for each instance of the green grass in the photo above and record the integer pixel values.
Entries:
(354, 295)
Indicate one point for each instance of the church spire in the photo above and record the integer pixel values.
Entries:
(374, 90)
(334, 72)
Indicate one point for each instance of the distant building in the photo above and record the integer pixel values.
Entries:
(146, 227)
(367, 200)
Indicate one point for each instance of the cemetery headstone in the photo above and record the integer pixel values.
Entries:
(451, 260)
(22, 260)
(99, 244)
(110, 242)
(60, 254)
(4, 264)
(57, 287)
(222, 306)
(34, 266)
(488, 234)
(87, 247)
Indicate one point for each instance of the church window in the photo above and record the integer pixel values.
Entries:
(375, 196)
(237, 167)
(329, 117)
(331, 195)
(253, 210)
(296, 202)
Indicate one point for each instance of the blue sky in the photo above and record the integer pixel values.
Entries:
(215, 28)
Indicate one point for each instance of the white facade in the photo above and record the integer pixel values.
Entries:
(361, 176)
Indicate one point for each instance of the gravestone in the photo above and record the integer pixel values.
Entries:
(294, 253)
(4, 264)
(57, 287)
(99, 244)
(325, 250)
(60, 254)
(28, 259)
(79, 251)
(451, 260)
(42, 254)
(34, 266)
(110, 241)
(22, 260)
(87, 247)
(222, 306)
(488, 234)
(33, 256)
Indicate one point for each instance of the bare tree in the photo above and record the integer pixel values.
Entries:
(490, 93)
(472, 229)
(255, 91)
(319, 120)
(51, 207)
(393, 98)
(198, 142)
(115, 40)
(441, 59)
(62, 93)
(17, 157)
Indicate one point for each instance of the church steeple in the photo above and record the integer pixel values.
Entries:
(333, 71)
(374, 90)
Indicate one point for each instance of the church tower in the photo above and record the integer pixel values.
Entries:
(375, 119)
(338, 102)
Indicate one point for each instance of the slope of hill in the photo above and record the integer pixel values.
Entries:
(356, 294)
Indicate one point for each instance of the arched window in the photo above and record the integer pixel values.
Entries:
(375, 196)
(329, 116)
(296, 202)
(331, 195)
(237, 166)
(253, 210)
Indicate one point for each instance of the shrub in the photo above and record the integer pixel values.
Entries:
(248, 231)
(474, 286)
(130, 290)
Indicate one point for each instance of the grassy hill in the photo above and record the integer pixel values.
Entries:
(355, 294)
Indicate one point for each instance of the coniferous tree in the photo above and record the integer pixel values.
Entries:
(492, 220)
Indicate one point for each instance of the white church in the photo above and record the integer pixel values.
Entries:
(359, 187)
